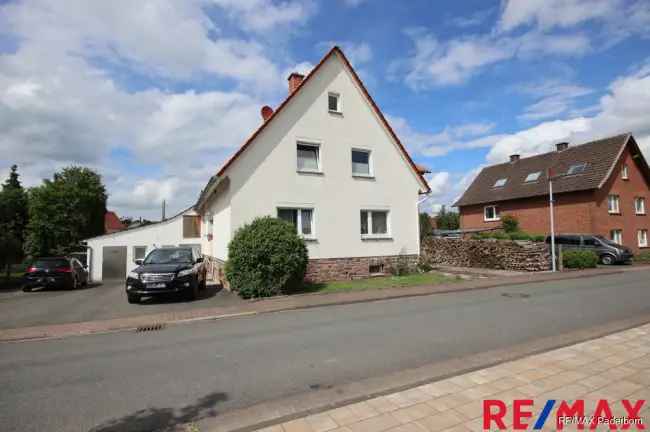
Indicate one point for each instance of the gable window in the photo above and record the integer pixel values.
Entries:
(490, 213)
(308, 157)
(361, 163)
(576, 169)
(374, 223)
(624, 174)
(301, 218)
(532, 177)
(191, 226)
(639, 205)
(616, 236)
(613, 204)
(500, 183)
(334, 102)
(139, 252)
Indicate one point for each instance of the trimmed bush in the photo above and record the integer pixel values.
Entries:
(643, 257)
(519, 235)
(538, 237)
(579, 259)
(510, 223)
(266, 258)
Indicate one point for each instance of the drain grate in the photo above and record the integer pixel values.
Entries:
(516, 295)
(150, 327)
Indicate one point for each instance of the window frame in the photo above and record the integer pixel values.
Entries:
(579, 169)
(299, 210)
(496, 185)
(537, 175)
(625, 175)
(639, 232)
(616, 232)
(135, 255)
(371, 168)
(338, 109)
(497, 216)
(369, 216)
(319, 164)
(636, 208)
(616, 199)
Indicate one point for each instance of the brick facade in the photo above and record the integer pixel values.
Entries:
(329, 269)
(579, 212)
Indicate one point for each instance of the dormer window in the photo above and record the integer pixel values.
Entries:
(624, 173)
(334, 103)
(532, 177)
(576, 169)
(500, 183)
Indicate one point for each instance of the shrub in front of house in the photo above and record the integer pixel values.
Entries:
(515, 235)
(579, 259)
(643, 257)
(510, 224)
(266, 258)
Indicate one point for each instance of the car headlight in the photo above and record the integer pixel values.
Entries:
(185, 272)
(133, 275)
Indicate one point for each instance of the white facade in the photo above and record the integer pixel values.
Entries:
(265, 176)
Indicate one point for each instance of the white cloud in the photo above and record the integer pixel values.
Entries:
(265, 15)
(554, 13)
(471, 20)
(359, 53)
(438, 182)
(553, 98)
(447, 187)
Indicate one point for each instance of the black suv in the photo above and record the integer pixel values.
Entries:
(55, 272)
(608, 252)
(166, 271)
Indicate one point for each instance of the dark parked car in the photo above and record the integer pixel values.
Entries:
(608, 252)
(55, 272)
(166, 271)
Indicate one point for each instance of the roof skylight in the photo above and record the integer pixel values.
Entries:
(576, 169)
(501, 182)
(534, 176)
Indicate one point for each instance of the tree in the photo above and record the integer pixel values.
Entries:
(13, 218)
(425, 225)
(447, 220)
(510, 224)
(65, 210)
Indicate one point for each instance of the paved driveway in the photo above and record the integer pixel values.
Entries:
(98, 302)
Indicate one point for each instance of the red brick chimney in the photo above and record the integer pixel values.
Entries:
(266, 112)
(294, 81)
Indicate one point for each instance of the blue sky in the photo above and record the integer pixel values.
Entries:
(156, 94)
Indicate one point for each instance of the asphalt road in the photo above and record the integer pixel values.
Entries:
(155, 380)
(97, 302)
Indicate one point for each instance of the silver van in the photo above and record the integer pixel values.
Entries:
(608, 252)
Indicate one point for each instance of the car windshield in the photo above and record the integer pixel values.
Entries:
(50, 263)
(169, 256)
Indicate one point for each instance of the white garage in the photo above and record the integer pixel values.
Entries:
(111, 256)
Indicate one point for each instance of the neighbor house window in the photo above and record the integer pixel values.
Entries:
(301, 218)
(191, 226)
(576, 169)
(490, 213)
(613, 204)
(532, 177)
(308, 157)
(642, 237)
(639, 205)
(617, 236)
(501, 182)
(139, 252)
(374, 223)
(624, 173)
(334, 102)
(361, 163)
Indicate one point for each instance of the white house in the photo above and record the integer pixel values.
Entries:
(327, 160)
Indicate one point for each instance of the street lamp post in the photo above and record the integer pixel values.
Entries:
(550, 201)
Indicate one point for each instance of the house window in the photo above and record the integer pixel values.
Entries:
(191, 226)
(490, 213)
(334, 102)
(624, 173)
(361, 163)
(617, 236)
(374, 223)
(532, 177)
(639, 205)
(139, 252)
(308, 157)
(501, 182)
(301, 218)
(576, 169)
(613, 204)
(642, 237)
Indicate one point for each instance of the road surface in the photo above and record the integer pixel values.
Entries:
(155, 380)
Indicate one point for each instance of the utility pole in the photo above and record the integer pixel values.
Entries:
(163, 210)
(550, 201)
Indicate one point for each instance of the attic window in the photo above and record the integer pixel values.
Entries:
(333, 102)
(532, 177)
(500, 183)
(624, 174)
(576, 169)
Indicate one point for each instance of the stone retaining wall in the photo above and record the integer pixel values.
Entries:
(493, 254)
(329, 269)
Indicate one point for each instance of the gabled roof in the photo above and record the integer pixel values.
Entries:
(599, 156)
(112, 223)
(334, 51)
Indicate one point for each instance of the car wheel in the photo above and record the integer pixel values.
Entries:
(133, 298)
(27, 289)
(607, 259)
(74, 284)
(192, 292)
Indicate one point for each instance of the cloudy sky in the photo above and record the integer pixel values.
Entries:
(155, 94)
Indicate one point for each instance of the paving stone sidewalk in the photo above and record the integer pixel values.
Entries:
(614, 367)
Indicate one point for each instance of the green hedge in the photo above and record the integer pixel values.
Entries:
(266, 258)
(643, 257)
(516, 235)
(579, 259)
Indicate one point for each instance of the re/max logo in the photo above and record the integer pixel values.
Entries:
(567, 413)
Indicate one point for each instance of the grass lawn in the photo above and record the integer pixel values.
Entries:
(380, 283)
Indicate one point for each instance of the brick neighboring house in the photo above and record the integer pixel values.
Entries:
(112, 223)
(603, 187)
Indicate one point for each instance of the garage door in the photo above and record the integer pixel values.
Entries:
(114, 262)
